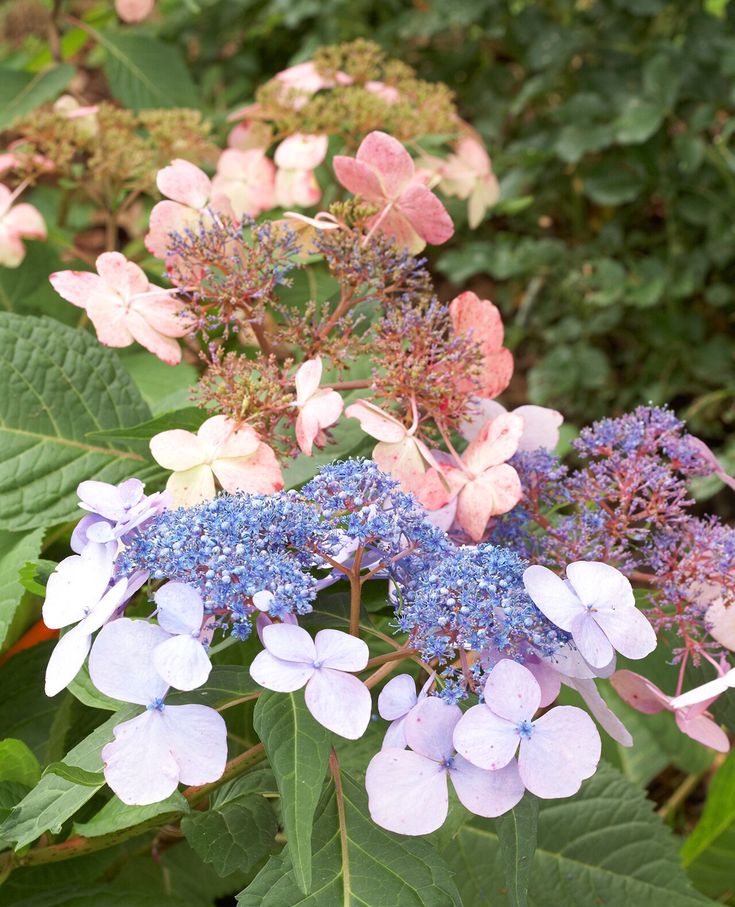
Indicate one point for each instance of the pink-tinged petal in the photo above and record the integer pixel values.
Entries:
(444, 517)
(12, 250)
(107, 314)
(192, 486)
(707, 691)
(395, 224)
(141, 743)
(720, 619)
(340, 702)
(66, 659)
(182, 662)
(426, 214)
(114, 271)
(296, 188)
(548, 679)
(395, 736)
(340, 651)
(568, 661)
(540, 427)
(223, 439)
(590, 639)
(180, 608)
(77, 585)
(487, 793)
(639, 692)
(387, 156)
(121, 661)
(480, 412)
(552, 596)
(702, 729)
(628, 630)
(325, 406)
(376, 423)
(601, 711)
(166, 218)
(301, 152)
(165, 315)
(307, 379)
(260, 473)
(404, 461)
(26, 221)
(397, 697)
(512, 692)
(134, 10)
(358, 178)
(600, 586)
(307, 430)
(430, 726)
(407, 793)
(182, 182)
(75, 287)
(717, 468)
(178, 450)
(563, 750)
(165, 348)
(494, 492)
(197, 738)
(437, 487)
(478, 319)
(279, 675)
(484, 739)
(496, 442)
(290, 643)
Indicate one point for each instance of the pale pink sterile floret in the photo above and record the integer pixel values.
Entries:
(17, 222)
(384, 174)
(556, 751)
(597, 606)
(222, 450)
(408, 789)
(132, 11)
(467, 174)
(693, 720)
(247, 180)
(190, 203)
(292, 660)
(483, 485)
(717, 468)
(181, 660)
(480, 320)
(165, 745)
(318, 407)
(399, 452)
(296, 189)
(707, 692)
(296, 158)
(125, 307)
(264, 620)
(540, 424)
(720, 618)
(395, 702)
(304, 80)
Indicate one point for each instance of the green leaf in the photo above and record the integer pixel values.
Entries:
(638, 121)
(190, 419)
(238, 831)
(613, 183)
(17, 763)
(55, 799)
(116, 815)
(517, 832)
(298, 751)
(26, 712)
(709, 852)
(356, 863)
(60, 384)
(225, 683)
(22, 92)
(145, 73)
(75, 774)
(603, 846)
(34, 575)
(27, 289)
(165, 388)
(16, 548)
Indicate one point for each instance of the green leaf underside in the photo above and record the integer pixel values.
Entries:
(298, 751)
(60, 385)
(356, 864)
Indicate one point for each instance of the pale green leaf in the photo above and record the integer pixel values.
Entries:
(17, 763)
(16, 549)
(21, 92)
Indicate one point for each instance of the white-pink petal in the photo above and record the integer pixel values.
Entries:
(485, 739)
(121, 661)
(339, 701)
(486, 793)
(397, 697)
(430, 728)
(277, 674)
(290, 643)
(340, 651)
(512, 692)
(182, 662)
(407, 793)
(180, 608)
(552, 596)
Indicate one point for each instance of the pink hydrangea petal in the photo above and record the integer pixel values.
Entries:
(496, 442)
(166, 218)
(703, 729)
(487, 793)
(600, 585)
(482, 412)
(106, 312)
(134, 10)
(27, 221)
(307, 430)
(426, 214)
(395, 736)
(341, 651)
(277, 674)
(182, 662)
(178, 450)
(291, 643)
(497, 370)
(485, 739)
(478, 318)
(327, 406)
(340, 702)
(591, 640)
(223, 438)
(307, 379)
(296, 188)
(301, 152)
(512, 692)
(141, 742)
(540, 427)
(628, 630)
(185, 183)
(180, 608)
(494, 492)
(404, 461)
(197, 738)
(601, 711)
(706, 691)
(397, 697)
(407, 793)
(389, 159)
(552, 596)
(357, 178)
(165, 315)
(258, 473)
(376, 423)
(430, 727)
(121, 661)
(548, 679)
(165, 348)
(720, 618)
(191, 486)
(75, 286)
(563, 750)
(639, 692)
